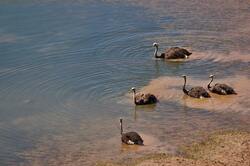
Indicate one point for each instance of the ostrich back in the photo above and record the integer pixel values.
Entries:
(223, 89)
(198, 92)
(148, 98)
(134, 137)
(176, 53)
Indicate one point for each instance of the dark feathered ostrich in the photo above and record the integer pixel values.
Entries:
(130, 138)
(172, 53)
(221, 89)
(196, 92)
(143, 99)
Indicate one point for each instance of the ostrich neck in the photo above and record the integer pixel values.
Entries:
(156, 51)
(184, 86)
(121, 128)
(208, 86)
(134, 94)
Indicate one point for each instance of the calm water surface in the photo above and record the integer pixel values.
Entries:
(66, 69)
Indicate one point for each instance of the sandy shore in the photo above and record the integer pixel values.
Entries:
(220, 149)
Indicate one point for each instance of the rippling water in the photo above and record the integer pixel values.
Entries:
(66, 69)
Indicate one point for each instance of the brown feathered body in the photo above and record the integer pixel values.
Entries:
(222, 89)
(143, 99)
(175, 53)
(132, 138)
(198, 92)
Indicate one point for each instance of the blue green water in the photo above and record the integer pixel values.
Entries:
(66, 69)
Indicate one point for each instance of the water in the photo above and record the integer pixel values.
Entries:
(66, 69)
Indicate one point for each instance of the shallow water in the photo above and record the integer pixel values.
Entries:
(66, 69)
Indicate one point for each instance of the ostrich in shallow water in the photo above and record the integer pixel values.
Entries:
(196, 92)
(172, 53)
(130, 138)
(143, 99)
(221, 89)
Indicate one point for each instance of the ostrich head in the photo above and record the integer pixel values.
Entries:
(184, 76)
(155, 44)
(211, 76)
(133, 89)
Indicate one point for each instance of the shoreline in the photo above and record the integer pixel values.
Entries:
(219, 149)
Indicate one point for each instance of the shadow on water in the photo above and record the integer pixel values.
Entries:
(146, 108)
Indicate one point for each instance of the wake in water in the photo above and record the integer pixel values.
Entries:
(216, 57)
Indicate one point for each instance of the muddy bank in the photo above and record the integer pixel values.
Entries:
(220, 149)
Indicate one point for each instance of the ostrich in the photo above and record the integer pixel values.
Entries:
(172, 53)
(221, 89)
(130, 138)
(196, 92)
(143, 99)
